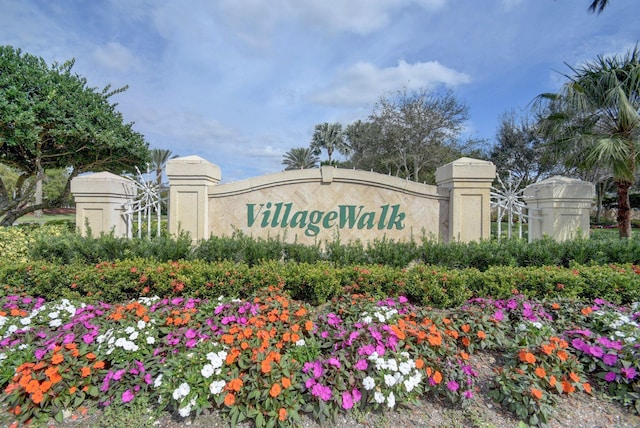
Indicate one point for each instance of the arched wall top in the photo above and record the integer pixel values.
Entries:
(326, 175)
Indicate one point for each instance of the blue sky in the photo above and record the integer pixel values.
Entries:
(241, 82)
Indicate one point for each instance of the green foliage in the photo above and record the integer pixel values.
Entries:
(51, 119)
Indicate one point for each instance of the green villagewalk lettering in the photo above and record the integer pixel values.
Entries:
(345, 216)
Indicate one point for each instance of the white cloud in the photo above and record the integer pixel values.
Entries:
(116, 57)
(363, 82)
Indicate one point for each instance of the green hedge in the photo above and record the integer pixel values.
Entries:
(316, 283)
(69, 248)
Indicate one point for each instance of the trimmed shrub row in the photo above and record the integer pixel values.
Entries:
(316, 283)
(70, 248)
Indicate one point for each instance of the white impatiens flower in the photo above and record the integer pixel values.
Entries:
(182, 391)
(368, 383)
(55, 323)
(301, 342)
(207, 371)
(134, 335)
(406, 367)
(151, 340)
(141, 325)
(158, 381)
(378, 397)
(392, 364)
(391, 400)
(389, 380)
(184, 412)
(217, 386)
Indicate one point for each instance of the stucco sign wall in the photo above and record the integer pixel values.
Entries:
(321, 204)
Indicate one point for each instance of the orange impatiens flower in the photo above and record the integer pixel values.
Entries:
(527, 357)
(419, 363)
(437, 377)
(466, 328)
(229, 399)
(57, 358)
(98, 365)
(562, 355)
(308, 325)
(586, 387)
(85, 371)
(482, 335)
(552, 381)
(282, 414)
(541, 372)
(286, 382)
(235, 384)
(586, 311)
(275, 390)
(567, 387)
(536, 393)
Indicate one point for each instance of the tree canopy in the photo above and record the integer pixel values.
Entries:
(410, 134)
(50, 118)
(521, 151)
(596, 118)
(300, 158)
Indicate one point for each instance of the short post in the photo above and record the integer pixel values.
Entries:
(559, 207)
(189, 180)
(100, 203)
(468, 182)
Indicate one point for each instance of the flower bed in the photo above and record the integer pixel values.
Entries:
(270, 358)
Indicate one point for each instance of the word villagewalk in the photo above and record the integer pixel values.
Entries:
(281, 214)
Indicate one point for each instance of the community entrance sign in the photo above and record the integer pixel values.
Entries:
(315, 205)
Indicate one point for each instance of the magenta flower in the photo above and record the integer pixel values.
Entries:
(357, 396)
(468, 394)
(453, 385)
(347, 400)
(334, 362)
(498, 315)
(361, 365)
(610, 377)
(629, 372)
(610, 359)
(127, 396)
(596, 351)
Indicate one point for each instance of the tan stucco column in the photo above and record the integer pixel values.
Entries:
(189, 180)
(468, 182)
(100, 203)
(559, 208)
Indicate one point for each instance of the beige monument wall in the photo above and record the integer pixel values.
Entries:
(321, 204)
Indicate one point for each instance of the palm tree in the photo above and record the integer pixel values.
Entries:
(597, 116)
(300, 158)
(329, 136)
(597, 6)
(159, 158)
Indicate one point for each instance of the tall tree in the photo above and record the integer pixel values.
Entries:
(597, 115)
(520, 150)
(159, 159)
(410, 134)
(300, 158)
(329, 136)
(50, 118)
